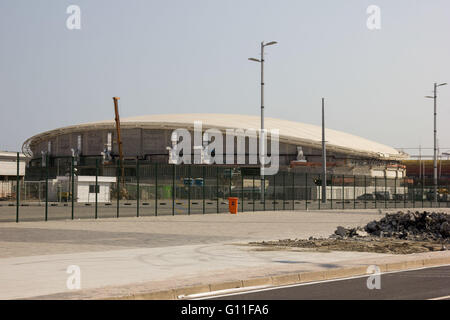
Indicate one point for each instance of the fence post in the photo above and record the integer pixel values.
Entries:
(343, 192)
(253, 193)
(448, 194)
(231, 178)
(274, 193)
(365, 192)
(438, 193)
(331, 191)
(138, 189)
(284, 190)
(354, 192)
(293, 191)
(118, 188)
(404, 192)
(319, 193)
(18, 187)
(173, 189)
(264, 192)
(217, 188)
(375, 192)
(242, 191)
(306, 191)
(189, 189)
(97, 189)
(46, 187)
(423, 185)
(73, 185)
(203, 187)
(385, 191)
(395, 191)
(156, 189)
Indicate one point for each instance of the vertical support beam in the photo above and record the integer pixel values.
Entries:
(18, 187)
(343, 192)
(138, 189)
(354, 192)
(97, 189)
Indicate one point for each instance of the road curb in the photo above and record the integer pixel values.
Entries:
(284, 279)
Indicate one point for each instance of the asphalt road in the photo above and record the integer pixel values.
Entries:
(430, 283)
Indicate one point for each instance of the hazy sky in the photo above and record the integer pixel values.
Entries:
(179, 56)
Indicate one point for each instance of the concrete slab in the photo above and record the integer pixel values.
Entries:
(131, 256)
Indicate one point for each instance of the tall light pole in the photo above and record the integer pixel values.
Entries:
(324, 156)
(262, 137)
(434, 97)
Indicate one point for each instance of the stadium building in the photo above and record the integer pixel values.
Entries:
(150, 138)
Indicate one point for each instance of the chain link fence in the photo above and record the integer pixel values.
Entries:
(68, 189)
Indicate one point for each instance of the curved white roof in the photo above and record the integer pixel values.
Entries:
(290, 131)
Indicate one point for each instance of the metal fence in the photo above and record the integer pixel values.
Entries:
(67, 190)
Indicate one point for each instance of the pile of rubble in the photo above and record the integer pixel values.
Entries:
(416, 226)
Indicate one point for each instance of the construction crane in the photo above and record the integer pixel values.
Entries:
(123, 190)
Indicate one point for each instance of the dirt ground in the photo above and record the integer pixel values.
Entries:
(378, 245)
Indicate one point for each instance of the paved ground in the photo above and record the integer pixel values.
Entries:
(430, 283)
(120, 256)
(66, 236)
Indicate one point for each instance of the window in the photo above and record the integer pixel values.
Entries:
(93, 189)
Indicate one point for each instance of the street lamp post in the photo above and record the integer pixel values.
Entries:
(262, 135)
(434, 97)
(324, 156)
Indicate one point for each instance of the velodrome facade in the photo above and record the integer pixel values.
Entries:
(150, 137)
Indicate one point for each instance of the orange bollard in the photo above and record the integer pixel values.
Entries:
(233, 205)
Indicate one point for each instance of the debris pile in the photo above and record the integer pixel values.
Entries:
(415, 226)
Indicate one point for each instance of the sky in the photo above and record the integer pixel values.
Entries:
(178, 56)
